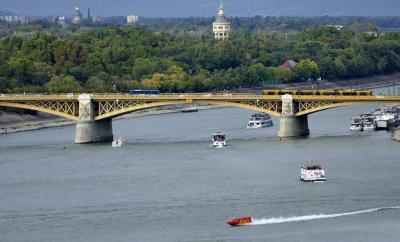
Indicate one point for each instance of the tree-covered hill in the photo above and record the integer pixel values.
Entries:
(122, 58)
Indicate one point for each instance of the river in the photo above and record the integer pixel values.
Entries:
(168, 184)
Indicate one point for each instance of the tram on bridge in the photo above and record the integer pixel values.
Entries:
(319, 92)
(144, 92)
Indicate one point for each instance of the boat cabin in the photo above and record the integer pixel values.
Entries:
(218, 136)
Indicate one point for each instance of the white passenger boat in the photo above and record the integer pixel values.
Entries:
(218, 139)
(386, 116)
(118, 142)
(259, 120)
(312, 173)
(382, 121)
(356, 124)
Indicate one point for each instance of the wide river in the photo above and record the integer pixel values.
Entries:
(168, 184)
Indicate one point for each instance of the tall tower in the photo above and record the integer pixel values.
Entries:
(76, 16)
(221, 26)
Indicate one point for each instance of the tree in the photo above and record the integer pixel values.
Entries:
(63, 84)
(70, 54)
(154, 82)
(306, 69)
(97, 85)
(258, 74)
(280, 74)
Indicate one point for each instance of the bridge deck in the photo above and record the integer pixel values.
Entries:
(196, 96)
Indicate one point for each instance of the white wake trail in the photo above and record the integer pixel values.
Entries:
(315, 216)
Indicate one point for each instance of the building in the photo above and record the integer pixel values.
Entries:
(61, 21)
(336, 26)
(10, 19)
(97, 19)
(16, 19)
(24, 19)
(221, 26)
(289, 64)
(372, 34)
(132, 19)
(76, 16)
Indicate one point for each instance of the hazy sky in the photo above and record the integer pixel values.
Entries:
(179, 8)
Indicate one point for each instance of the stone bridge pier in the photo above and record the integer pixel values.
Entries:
(88, 130)
(290, 124)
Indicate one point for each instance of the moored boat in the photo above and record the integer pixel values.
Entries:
(356, 124)
(312, 173)
(190, 109)
(382, 121)
(382, 118)
(260, 120)
(368, 123)
(240, 221)
(218, 139)
(386, 116)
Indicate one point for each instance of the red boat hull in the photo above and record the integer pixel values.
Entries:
(240, 221)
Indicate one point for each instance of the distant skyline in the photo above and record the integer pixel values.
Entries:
(187, 8)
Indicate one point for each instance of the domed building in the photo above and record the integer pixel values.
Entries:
(221, 26)
(76, 16)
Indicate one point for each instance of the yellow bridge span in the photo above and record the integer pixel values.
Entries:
(95, 111)
(113, 105)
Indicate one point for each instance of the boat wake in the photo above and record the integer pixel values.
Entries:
(316, 216)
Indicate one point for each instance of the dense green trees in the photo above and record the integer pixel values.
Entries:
(63, 84)
(116, 59)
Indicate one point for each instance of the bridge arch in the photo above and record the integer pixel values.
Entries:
(266, 108)
(61, 112)
(337, 105)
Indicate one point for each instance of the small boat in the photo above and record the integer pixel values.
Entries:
(218, 139)
(383, 121)
(385, 117)
(356, 124)
(240, 221)
(259, 120)
(369, 123)
(118, 142)
(190, 109)
(312, 173)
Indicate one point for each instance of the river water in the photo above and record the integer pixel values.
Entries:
(168, 184)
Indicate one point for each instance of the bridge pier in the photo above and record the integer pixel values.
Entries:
(290, 124)
(89, 130)
(293, 126)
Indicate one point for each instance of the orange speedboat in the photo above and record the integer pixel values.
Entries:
(240, 221)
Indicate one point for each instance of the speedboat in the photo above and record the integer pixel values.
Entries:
(118, 142)
(259, 120)
(218, 139)
(356, 124)
(240, 221)
(312, 173)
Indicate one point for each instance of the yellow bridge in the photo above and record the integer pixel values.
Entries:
(93, 112)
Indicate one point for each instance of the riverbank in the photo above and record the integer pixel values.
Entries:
(13, 123)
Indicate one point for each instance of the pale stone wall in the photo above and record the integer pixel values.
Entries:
(88, 130)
